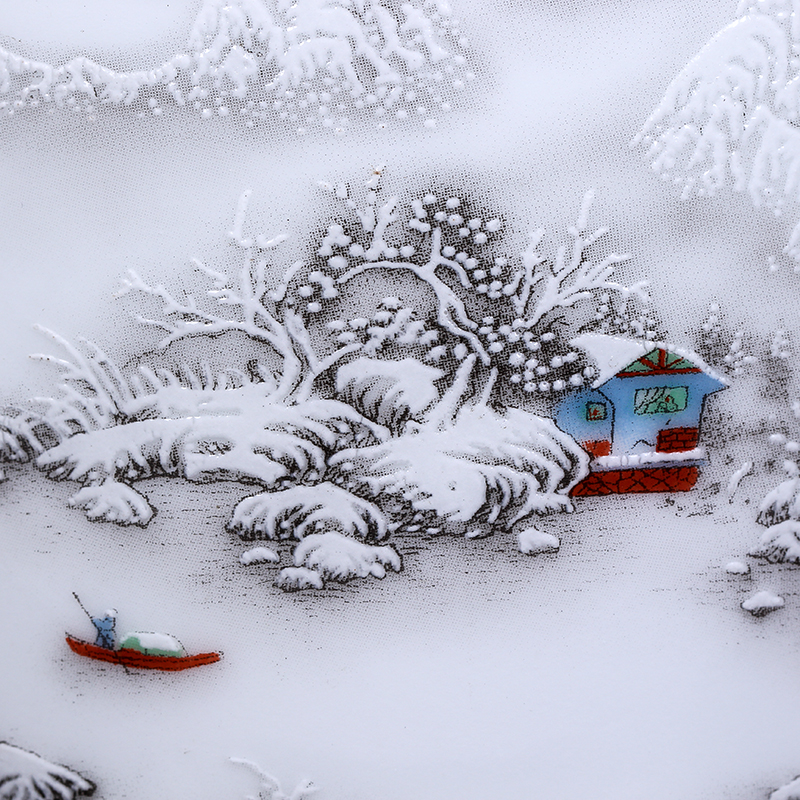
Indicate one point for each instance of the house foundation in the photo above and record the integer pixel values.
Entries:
(627, 481)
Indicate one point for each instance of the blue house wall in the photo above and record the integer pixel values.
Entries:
(570, 416)
(634, 432)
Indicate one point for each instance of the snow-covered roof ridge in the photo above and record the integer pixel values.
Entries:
(611, 354)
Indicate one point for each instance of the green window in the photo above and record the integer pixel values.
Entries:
(596, 411)
(661, 400)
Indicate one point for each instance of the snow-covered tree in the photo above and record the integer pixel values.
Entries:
(515, 313)
(729, 118)
(308, 62)
(27, 776)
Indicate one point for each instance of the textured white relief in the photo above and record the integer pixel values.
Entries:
(729, 120)
(308, 63)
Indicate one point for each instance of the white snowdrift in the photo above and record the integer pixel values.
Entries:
(112, 501)
(762, 603)
(300, 510)
(533, 541)
(259, 555)
(780, 543)
(295, 579)
(483, 467)
(339, 558)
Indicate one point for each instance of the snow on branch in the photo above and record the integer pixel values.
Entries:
(544, 287)
(729, 118)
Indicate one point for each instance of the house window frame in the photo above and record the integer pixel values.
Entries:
(637, 403)
(596, 404)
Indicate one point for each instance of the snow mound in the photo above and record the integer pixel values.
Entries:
(780, 544)
(294, 579)
(259, 555)
(782, 503)
(791, 791)
(300, 510)
(532, 542)
(111, 501)
(152, 643)
(737, 568)
(340, 558)
(762, 603)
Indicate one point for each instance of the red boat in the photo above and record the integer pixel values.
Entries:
(133, 658)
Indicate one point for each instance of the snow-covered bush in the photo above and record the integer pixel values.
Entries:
(266, 442)
(259, 555)
(790, 791)
(295, 579)
(470, 463)
(737, 568)
(388, 392)
(269, 788)
(783, 502)
(26, 776)
(763, 603)
(780, 543)
(340, 558)
(301, 510)
(306, 63)
(24, 434)
(111, 501)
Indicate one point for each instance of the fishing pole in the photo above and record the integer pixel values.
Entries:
(74, 594)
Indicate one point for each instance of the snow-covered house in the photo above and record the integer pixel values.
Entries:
(640, 418)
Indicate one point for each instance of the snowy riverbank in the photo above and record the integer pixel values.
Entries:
(622, 667)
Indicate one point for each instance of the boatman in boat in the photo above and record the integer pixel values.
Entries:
(105, 629)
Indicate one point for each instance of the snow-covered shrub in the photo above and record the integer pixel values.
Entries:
(762, 603)
(780, 543)
(269, 788)
(532, 542)
(307, 63)
(737, 568)
(300, 510)
(111, 501)
(790, 791)
(388, 392)
(24, 434)
(471, 464)
(340, 558)
(26, 776)
(783, 502)
(264, 442)
(259, 555)
(295, 579)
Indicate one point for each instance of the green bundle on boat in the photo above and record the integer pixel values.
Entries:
(152, 644)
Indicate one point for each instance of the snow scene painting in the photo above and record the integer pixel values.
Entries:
(400, 400)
